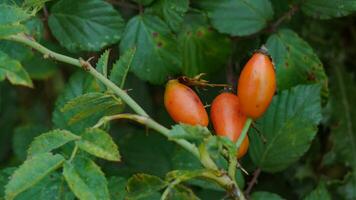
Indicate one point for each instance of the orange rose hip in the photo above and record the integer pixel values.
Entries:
(257, 85)
(184, 105)
(228, 120)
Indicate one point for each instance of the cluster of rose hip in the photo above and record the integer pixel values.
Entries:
(229, 112)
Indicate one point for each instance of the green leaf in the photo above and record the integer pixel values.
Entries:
(102, 64)
(86, 179)
(238, 17)
(265, 196)
(141, 147)
(295, 61)
(213, 146)
(15, 50)
(183, 160)
(11, 14)
(4, 177)
(23, 137)
(40, 68)
(100, 144)
(49, 141)
(121, 68)
(34, 5)
(7, 30)
(189, 132)
(91, 107)
(13, 71)
(286, 129)
(171, 11)
(203, 50)
(31, 172)
(183, 175)
(80, 83)
(343, 132)
(320, 193)
(181, 192)
(35, 27)
(156, 54)
(117, 187)
(141, 186)
(326, 9)
(51, 187)
(85, 24)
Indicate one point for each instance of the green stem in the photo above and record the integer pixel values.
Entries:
(80, 63)
(153, 125)
(205, 158)
(243, 132)
(46, 52)
(232, 166)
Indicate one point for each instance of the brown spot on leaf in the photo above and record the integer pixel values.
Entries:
(200, 33)
(311, 76)
(286, 64)
(159, 44)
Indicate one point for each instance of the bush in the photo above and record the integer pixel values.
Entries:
(82, 109)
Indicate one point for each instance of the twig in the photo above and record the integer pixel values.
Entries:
(285, 16)
(124, 4)
(45, 13)
(140, 8)
(253, 181)
(230, 74)
(273, 27)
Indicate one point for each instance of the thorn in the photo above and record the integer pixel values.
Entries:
(85, 64)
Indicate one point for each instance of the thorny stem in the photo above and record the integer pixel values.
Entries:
(143, 118)
(80, 63)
